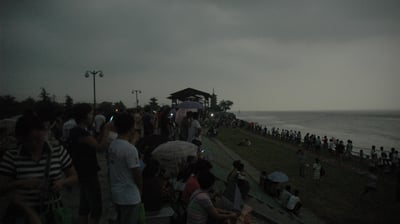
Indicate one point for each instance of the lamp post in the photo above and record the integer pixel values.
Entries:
(94, 73)
(137, 99)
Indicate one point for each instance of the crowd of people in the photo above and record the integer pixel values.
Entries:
(386, 161)
(50, 155)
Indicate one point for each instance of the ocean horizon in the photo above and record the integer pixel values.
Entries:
(364, 127)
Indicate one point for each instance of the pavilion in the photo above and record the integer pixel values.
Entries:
(208, 100)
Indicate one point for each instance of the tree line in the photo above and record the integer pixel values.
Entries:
(48, 106)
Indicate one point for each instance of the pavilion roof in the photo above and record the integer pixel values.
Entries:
(188, 93)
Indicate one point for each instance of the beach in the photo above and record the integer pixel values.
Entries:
(364, 128)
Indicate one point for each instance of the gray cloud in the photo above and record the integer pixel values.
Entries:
(282, 54)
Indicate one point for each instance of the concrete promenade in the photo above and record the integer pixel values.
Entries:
(265, 208)
(71, 196)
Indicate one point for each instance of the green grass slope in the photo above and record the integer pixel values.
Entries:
(337, 197)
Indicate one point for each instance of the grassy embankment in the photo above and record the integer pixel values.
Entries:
(337, 197)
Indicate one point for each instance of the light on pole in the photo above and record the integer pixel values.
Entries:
(94, 73)
(137, 99)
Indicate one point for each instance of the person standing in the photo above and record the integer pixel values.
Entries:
(317, 170)
(185, 125)
(22, 170)
(83, 147)
(138, 124)
(349, 148)
(99, 121)
(148, 128)
(302, 162)
(67, 126)
(126, 181)
(325, 143)
(195, 130)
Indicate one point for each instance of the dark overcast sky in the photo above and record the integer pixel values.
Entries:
(262, 55)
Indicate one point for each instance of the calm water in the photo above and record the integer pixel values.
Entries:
(364, 128)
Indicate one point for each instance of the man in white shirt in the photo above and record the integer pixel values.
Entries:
(125, 175)
(285, 195)
(99, 121)
(194, 129)
(67, 126)
(294, 204)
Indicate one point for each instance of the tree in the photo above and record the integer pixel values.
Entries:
(44, 95)
(106, 107)
(69, 102)
(153, 104)
(120, 106)
(225, 105)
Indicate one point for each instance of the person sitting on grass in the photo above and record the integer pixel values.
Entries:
(371, 185)
(285, 195)
(232, 174)
(241, 181)
(245, 142)
(201, 208)
(294, 203)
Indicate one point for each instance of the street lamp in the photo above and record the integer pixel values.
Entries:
(137, 100)
(94, 73)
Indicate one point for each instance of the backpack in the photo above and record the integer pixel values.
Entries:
(322, 171)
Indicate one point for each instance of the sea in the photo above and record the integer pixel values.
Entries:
(364, 128)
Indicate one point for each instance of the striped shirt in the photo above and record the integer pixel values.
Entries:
(18, 164)
(197, 211)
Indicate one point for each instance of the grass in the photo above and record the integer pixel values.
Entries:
(337, 197)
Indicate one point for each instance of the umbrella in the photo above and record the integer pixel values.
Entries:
(278, 177)
(171, 154)
(190, 105)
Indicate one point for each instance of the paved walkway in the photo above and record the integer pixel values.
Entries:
(71, 196)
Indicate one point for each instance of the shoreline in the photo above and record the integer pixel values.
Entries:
(270, 120)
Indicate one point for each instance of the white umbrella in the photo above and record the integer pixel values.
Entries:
(190, 105)
(278, 177)
(171, 154)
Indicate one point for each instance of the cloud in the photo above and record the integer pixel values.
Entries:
(284, 49)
